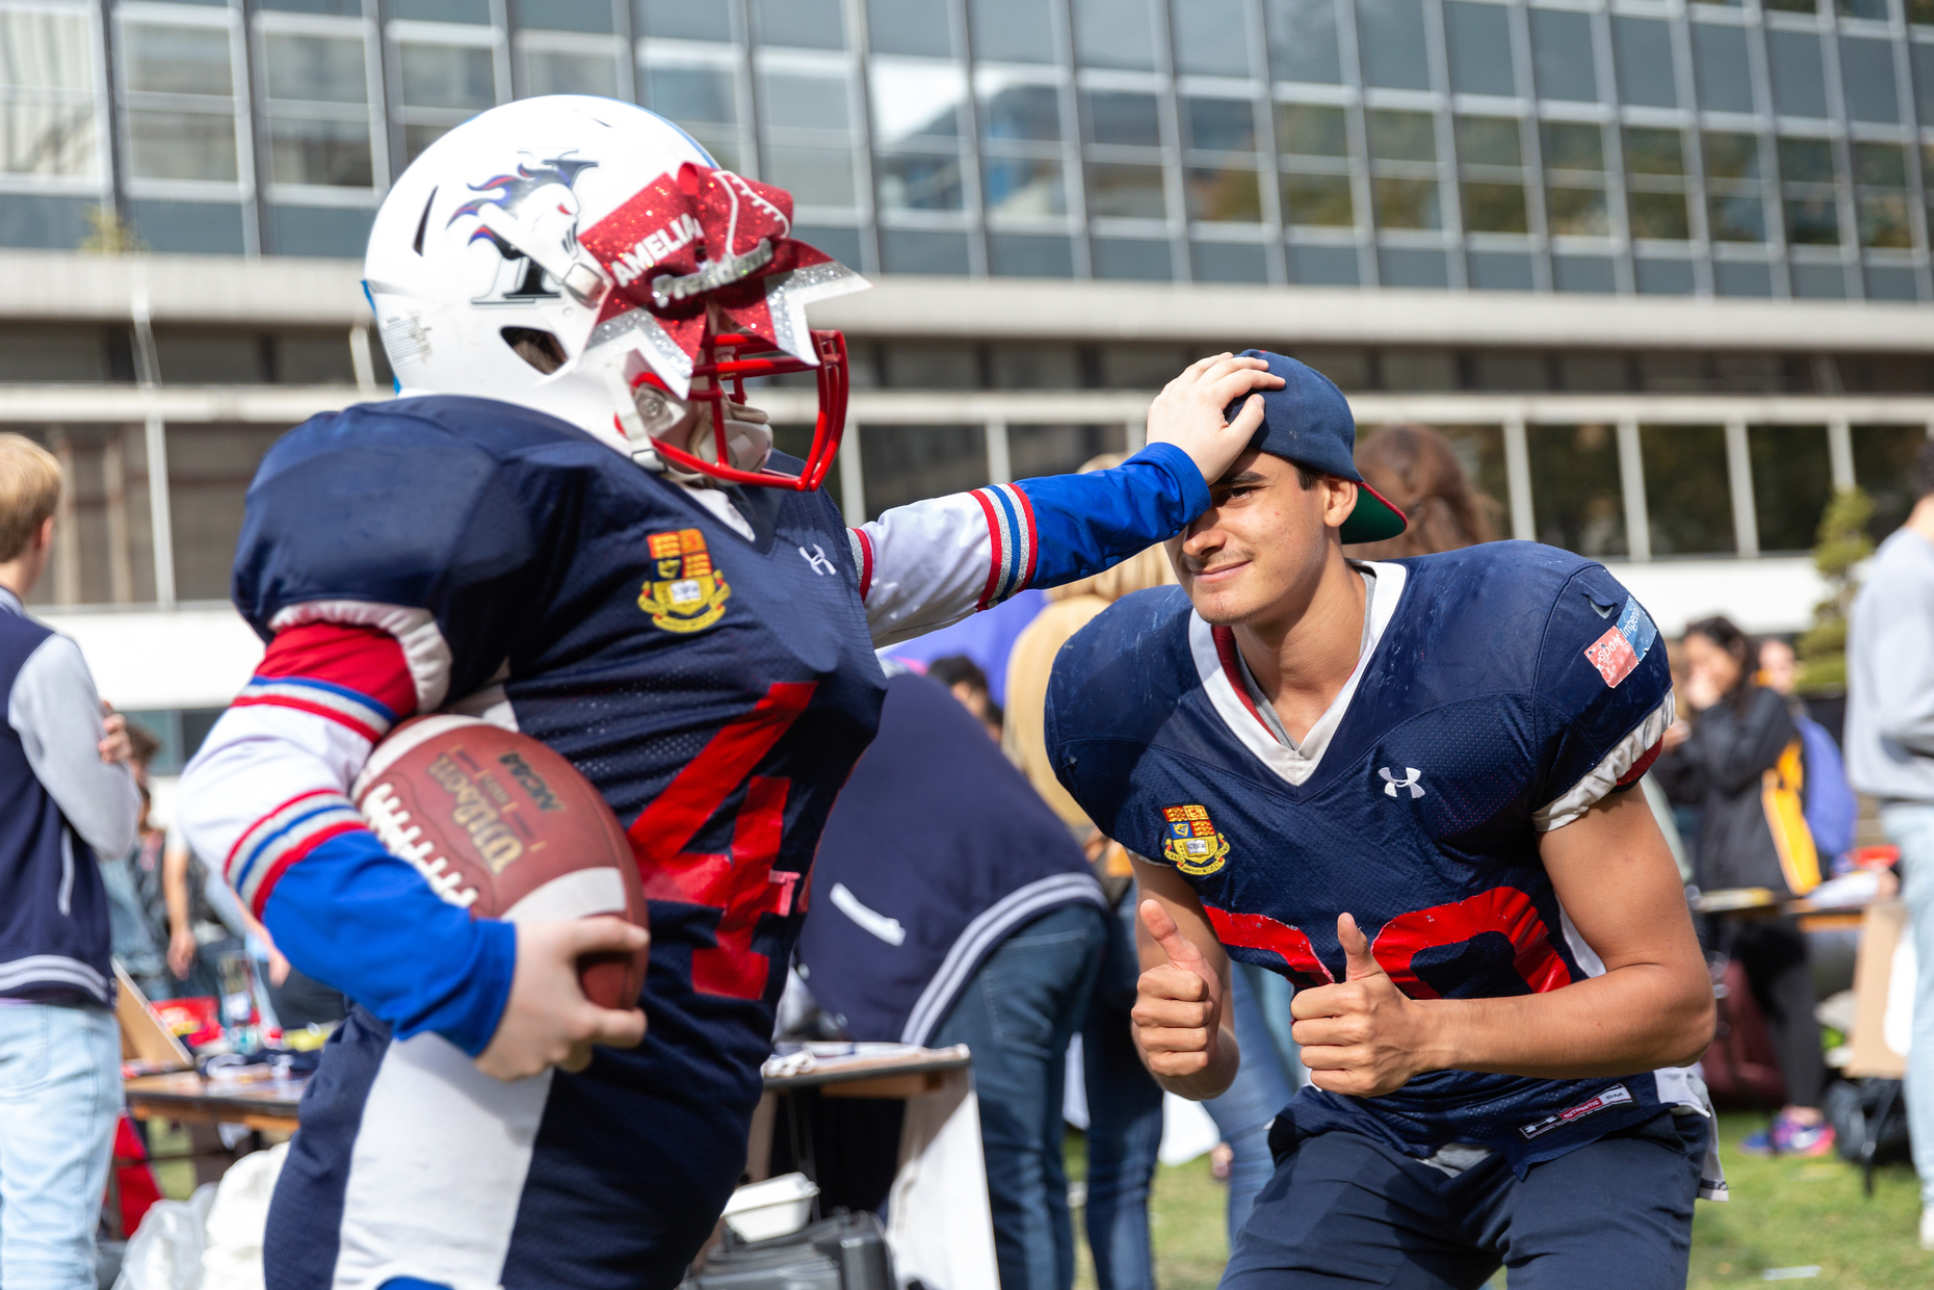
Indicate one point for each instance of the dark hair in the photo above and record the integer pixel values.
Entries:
(1922, 475)
(1416, 469)
(144, 743)
(952, 669)
(1726, 635)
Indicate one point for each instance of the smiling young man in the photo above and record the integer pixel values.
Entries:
(1399, 785)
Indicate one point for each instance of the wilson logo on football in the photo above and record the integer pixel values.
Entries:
(688, 595)
(1192, 844)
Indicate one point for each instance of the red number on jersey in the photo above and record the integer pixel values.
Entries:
(740, 884)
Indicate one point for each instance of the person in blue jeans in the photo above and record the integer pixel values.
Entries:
(1124, 1117)
(66, 798)
(949, 905)
(1263, 1085)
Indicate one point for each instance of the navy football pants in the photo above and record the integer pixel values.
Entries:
(1345, 1210)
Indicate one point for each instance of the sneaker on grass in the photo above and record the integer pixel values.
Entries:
(1789, 1137)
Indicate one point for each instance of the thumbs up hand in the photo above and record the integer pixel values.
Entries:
(1362, 1035)
(1176, 1003)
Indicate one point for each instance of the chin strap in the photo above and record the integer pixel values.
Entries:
(649, 414)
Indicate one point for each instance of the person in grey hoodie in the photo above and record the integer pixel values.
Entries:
(1890, 755)
(66, 798)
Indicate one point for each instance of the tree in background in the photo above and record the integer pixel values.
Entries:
(1841, 544)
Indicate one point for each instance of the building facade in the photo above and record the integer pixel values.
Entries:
(1659, 267)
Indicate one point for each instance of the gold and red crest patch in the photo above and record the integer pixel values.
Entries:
(1192, 844)
(688, 595)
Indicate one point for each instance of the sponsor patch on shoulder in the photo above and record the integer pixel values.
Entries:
(1616, 1095)
(1616, 654)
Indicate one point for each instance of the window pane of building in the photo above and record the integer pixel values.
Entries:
(1867, 72)
(1792, 479)
(1406, 203)
(1023, 187)
(1480, 48)
(803, 100)
(1561, 47)
(1220, 125)
(1011, 109)
(590, 16)
(1812, 221)
(1576, 212)
(180, 145)
(702, 94)
(103, 535)
(1013, 31)
(1488, 141)
(315, 69)
(1659, 215)
(1390, 38)
(683, 20)
(1883, 467)
(48, 138)
(1231, 194)
(1126, 189)
(1033, 451)
(1642, 50)
(910, 27)
(1736, 217)
(1302, 41)
(1033, 367)
(908, 463)
(1575, 499)
(1687, 502)
(814, 175)
(1730, 155)
(1573, 145)
(1402, 136)
(1720, 67)
(1309, 129)
(445, 76)
(333, 153)
(919, 182)
(1806, 161)
(209, 469)
(1799, 76)
(1494, 207)
(552, 71)
(1124, 118)
(916, 101)
(1114, 33)
(42, 50)
(1212, 37)
(1318, 200)
(806, 24)
(168, 59)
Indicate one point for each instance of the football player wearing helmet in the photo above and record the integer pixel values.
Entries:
(572, 522)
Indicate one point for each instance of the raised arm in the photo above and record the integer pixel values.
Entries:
(931, 563)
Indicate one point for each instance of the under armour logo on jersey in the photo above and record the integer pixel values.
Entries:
(1391, 783)
(818, 559)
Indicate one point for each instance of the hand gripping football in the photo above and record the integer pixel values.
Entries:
(503, 826)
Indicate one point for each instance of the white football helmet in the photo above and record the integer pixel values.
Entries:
(587, 258)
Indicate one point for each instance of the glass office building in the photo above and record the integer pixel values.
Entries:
(1660, 267)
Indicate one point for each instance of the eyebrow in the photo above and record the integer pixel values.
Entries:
(1246, 477)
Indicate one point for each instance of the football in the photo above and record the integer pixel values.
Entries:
(505, 827)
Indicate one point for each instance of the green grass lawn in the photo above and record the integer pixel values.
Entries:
(1784, 1214)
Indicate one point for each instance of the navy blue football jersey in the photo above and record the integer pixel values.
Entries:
(1509, 687)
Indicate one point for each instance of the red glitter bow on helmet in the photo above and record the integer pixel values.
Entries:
(699, 238)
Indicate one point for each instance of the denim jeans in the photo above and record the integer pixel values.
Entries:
(60, 1093)
(1910, 826)
(1124, 1119)
(1263, 1086)
(1018, 1014)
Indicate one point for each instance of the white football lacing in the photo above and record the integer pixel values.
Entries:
(391, 825)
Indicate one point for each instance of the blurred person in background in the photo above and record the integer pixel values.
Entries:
(1830, 806)
(1742, 757)
(137, 913)
(1890, 755)
(67, 798)
(1416, 467)
(951, 906)
(968, 683)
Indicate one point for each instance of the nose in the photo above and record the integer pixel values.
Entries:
(1203, 537)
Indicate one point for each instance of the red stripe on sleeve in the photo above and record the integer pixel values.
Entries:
(866, 562)
(342, 719)
(228, 860)
(994, 544)
(274, 875)
(1642, 765)
(367, 660)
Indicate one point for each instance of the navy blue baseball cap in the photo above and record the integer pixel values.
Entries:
(1308, 422)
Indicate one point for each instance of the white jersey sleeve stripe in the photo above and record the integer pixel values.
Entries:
(1608, 774)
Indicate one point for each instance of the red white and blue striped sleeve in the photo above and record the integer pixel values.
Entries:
(268, 796)
(931, 563)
